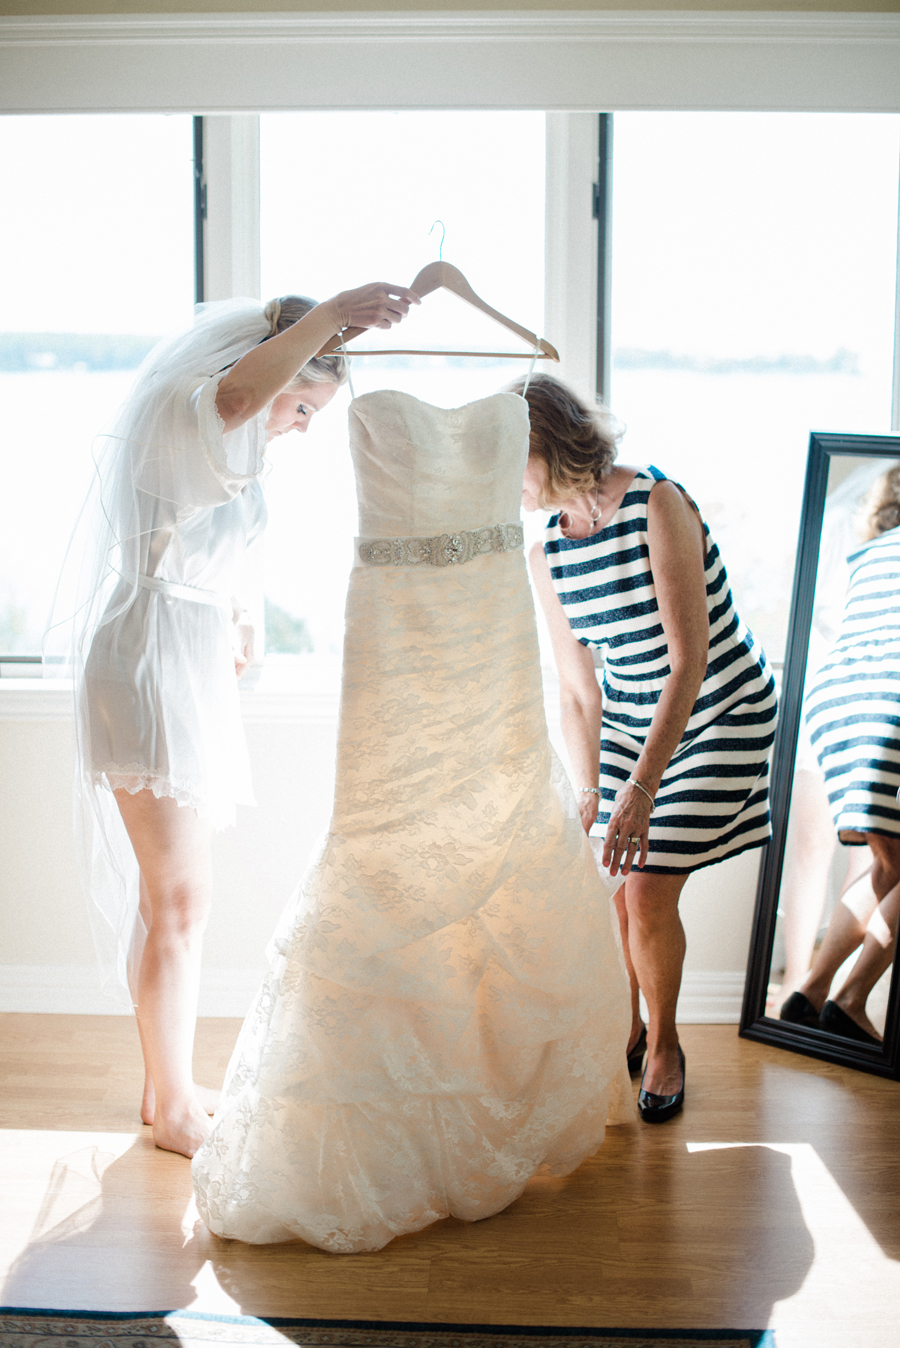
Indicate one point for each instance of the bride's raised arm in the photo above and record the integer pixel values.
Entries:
(259, 376)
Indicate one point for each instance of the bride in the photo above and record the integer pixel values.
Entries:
(159, 636)
(447, 1009)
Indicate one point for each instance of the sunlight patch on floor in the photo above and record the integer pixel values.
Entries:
(849, 1267)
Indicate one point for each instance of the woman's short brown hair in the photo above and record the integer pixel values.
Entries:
(576, 442)
(881, 505)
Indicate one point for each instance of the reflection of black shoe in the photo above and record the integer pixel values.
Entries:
(836, 1021)
(659, 1108)
(636, 1056)
(799, 1011)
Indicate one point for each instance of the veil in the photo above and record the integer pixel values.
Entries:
(143, 456)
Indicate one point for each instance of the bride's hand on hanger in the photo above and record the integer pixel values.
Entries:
(257, 378)
(378, 305)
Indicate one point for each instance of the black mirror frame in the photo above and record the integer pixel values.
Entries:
(755, 1024)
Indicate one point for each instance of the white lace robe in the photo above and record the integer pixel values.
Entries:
(154, 564)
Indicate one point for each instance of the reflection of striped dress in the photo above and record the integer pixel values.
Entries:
(713, 799)
(853, 705)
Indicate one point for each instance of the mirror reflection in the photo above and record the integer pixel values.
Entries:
(839, 892)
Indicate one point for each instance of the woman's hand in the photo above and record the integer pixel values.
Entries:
(630, 819)
(588, 808)
(378, 305)
(243, 646)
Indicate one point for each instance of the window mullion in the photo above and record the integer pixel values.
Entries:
(199, 214)
(603, 216)
(229, 248)
(570, 245)
(895, 389)
(230, 149)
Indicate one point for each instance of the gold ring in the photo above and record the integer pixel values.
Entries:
(634, 842)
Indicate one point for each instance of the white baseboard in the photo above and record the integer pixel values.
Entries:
(74, 990)
(711, 998)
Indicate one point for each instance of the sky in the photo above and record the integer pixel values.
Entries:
(755, 233)
(101, 237)
(349, 198)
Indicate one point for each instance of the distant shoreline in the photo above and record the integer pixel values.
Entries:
(634, 358)
(94, 353)
(83, 353)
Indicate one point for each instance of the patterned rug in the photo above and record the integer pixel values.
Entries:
(21, 1328)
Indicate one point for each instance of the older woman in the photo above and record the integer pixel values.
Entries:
(162, 758)
(671, 755)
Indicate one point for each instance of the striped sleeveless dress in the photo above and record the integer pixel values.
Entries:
(713, 801)
(853, 704)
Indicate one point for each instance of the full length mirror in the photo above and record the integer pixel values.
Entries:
(821, 976)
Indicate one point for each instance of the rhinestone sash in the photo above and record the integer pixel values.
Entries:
(441, 550)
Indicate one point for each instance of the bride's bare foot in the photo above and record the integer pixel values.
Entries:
(148, 1101)
(207, 1100)
(182, 1133)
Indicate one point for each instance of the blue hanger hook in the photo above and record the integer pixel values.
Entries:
(443, 236)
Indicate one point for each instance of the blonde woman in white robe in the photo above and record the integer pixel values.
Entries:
(159, 637)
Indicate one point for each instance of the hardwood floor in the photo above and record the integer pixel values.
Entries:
(772, 1201)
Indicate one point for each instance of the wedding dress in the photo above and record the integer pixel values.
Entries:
(447, 1009)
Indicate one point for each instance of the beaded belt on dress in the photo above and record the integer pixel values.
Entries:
(441, 550)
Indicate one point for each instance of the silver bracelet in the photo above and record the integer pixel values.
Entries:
(633, 782)
(592, 789)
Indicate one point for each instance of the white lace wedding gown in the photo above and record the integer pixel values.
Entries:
(447, 1009)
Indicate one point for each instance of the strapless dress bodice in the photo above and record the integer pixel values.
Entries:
(423, 470)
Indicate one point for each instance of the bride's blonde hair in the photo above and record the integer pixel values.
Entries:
(282, 314)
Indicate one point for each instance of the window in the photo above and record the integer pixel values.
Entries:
(353, 197)
(96, 251)
(754, 278)
(753, 285)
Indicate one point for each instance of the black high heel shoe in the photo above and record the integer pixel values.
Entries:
(799, 1010)
(834, 1019)
(636, 1056)
(658, 1108)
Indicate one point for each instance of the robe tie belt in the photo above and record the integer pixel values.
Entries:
(173, 591)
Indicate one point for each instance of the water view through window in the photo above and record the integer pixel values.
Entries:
(754, 281)
(754, 284)
(96, 263)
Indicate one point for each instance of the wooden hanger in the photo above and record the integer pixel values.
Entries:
(433, 277)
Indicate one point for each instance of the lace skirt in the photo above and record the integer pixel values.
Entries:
(447, 1010)
(157, 709)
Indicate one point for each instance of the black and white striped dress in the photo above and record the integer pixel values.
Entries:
(713, 800)
(853, 705)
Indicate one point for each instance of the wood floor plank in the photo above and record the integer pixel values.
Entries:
(773, 1200)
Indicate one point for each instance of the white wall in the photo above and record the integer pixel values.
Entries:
(552, 59)
(46, 955)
